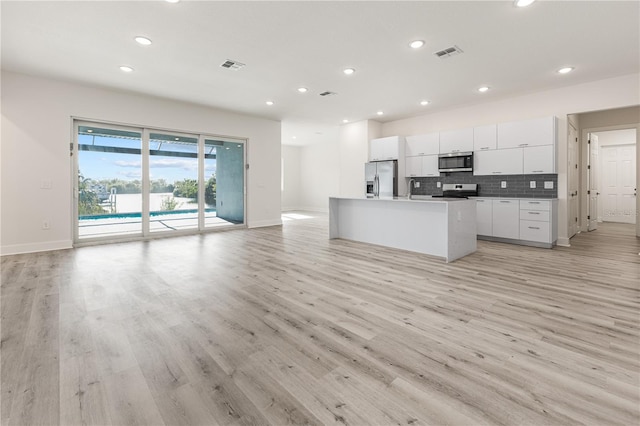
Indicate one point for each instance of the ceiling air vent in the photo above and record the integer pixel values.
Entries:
(232, 65)
(449, 51)
(327, 93)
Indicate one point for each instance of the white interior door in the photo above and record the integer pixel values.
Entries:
(573, 180)
(619, 183)
(592, 176)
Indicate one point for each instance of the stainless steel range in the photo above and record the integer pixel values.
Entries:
(459, 190)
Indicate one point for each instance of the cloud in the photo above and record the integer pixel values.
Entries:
(174, 163)
(133, 174)
(122, 163)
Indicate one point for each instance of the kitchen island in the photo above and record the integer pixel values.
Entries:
(443, 227)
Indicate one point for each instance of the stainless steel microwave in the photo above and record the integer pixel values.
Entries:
(456, 162)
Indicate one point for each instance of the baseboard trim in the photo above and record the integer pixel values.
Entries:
(564, 242)
(35, 247)
(263, 223)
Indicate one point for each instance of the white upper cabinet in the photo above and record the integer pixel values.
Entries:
(498, 162)
(430, 165)
(456, 141)
(389, 148)
(422, 166)
(536, 132)
(485, 137)
(539, 159)
(428, 144)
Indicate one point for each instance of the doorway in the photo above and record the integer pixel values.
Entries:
(618, 176)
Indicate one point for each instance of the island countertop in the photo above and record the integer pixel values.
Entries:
(443, 227)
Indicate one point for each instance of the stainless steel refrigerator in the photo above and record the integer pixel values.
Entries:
(381, 179)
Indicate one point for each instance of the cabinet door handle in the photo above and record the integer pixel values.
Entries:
(484, 147)
(534, 202)
(534, 213)
(533, 227)
(496, 173)
(523, 144)
(508, 202)
(537, 171)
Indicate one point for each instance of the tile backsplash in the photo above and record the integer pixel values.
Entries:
(518, 186)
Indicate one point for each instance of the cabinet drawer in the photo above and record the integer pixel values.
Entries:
(535, 205)
(535, 231)
(537, 215)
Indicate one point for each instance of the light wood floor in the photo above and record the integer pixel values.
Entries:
(283, 326)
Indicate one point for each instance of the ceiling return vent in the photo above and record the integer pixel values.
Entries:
(449, 51)
(232, 65)
(328, 93)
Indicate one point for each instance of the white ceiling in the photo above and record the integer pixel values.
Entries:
(290, 44)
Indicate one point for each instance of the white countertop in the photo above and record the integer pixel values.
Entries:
(414, 199)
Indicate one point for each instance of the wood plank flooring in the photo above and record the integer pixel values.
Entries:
(282, 326)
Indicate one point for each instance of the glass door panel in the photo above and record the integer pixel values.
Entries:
(226, 168)
(109, 196)
(173, 182)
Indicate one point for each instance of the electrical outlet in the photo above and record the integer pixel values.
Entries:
(46, 225)
(548, 184)
(532, 184)
(438, 184)
(416, 184)
(503, 184)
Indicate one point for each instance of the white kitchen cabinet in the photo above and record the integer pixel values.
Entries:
(485, 137)
(535, 132)
(389, 148)
(430, 165)
(538, 222)
(484, 216)
(460, 140)
(498, 162)
(506, 218)
(539, 159)
(413, 167)
(422, 166)
(428, 144)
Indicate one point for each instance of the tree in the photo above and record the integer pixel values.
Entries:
(88, 201)
(187, 188)
(210, 191)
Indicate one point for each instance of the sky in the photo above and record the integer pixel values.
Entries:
(106, 165)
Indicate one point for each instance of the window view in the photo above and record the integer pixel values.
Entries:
(123, 191)
(173, 174)
(109, 182)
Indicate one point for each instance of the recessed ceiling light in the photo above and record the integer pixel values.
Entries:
(349, 71)
(126, 68)
(416, 44)
(565, 70)
(380, 113)
(90, 131)
(345, 121)
(172, 1)
(293, 137)
(423, 103)
(523, 3)
(143, 40)
(269, 103)
(177, 139)
(483, 89)
(302, 89)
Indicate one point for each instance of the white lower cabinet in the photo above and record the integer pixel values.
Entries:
(484, 216)
(506, 219)
(520, 221)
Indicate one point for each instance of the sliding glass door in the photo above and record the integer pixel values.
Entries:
(137, 182)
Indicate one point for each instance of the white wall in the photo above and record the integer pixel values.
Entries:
(599, 95)
(319, 175)
(37, 129)
(291, 175)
